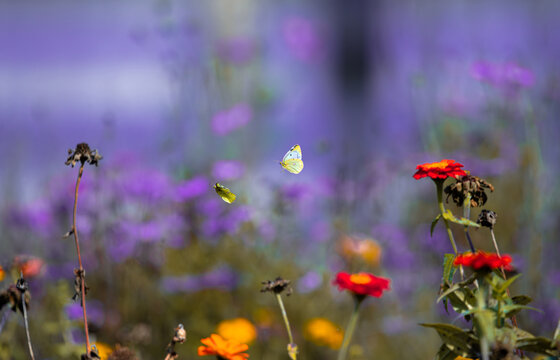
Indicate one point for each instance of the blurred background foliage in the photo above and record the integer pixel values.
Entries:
(178, 95)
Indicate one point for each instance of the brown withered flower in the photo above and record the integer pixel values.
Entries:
(12, 296)
(277, 286)
(122, 353)
(468, 185)
(83, 154)
(487, 218)
(79, 276)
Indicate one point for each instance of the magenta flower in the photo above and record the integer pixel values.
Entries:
(227, 170)
(226, 121)
(302, 38)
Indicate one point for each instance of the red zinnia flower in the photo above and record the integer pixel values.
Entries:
(362, 283)
(439, 170)
(481, 260)
(224, 349)
(30, 266)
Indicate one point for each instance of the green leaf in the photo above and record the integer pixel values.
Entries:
(504, 285)
(510, 310)
(448, 268)
(434, 222)
(460, 340)
(445, 353)
(539, 344)
(521, 299)
(556, 337)
(448, 215)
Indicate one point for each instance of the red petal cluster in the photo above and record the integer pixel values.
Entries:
(439, 170)
(362, 283)
(481, 260)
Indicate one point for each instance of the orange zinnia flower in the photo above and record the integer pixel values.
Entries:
(439, 170)
(362, 284)
(224, 349)
(483, 261)
(30, 266)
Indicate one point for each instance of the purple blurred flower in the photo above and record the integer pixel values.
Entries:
(228, 170)
(228, 120)
(302, 38)
(222, 278)
(191, 188)
(295, 191)
(309, 282)
(320, 231)
(35, 216)
(503, 75)
(237, 51)
(95, 311)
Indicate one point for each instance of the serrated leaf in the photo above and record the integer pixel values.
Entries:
(448, 268)
(452, 335)
(434, 222)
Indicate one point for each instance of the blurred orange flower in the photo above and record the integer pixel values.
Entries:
(29, 265)
(224, 349)
(239, 329)
(366, 249)
(463, 358)
(2, 273)
(439, 170)
(362, 284)
(323, 332)
(104, 350)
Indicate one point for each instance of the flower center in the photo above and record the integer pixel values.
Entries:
(359, 278)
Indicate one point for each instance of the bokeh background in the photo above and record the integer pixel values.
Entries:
(177, 95)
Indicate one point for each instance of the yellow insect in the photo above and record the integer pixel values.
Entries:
(292, 160)
(224, 193)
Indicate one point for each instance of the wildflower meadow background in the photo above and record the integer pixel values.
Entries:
(179, 95)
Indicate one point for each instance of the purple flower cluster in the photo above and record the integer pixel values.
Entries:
(231, 119)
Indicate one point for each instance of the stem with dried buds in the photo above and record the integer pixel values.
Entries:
(22, 287)
(82, 273)
(292, 355)
(439, 189)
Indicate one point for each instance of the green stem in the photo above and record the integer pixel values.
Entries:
(439, 189)
(349, 330)
(285, 316)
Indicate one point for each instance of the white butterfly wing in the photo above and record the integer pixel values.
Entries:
(293, 153)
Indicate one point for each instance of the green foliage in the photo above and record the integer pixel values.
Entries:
(448, 215)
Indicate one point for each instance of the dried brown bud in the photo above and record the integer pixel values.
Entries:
(468, 185)
(487, 218)
(277, 286)
(12, 295)
(79, 276)
(180, 334)
(83, 154)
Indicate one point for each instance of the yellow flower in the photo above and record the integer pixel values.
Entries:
(366, 249)
(104, 350)
(239, 329)
(463, 358)
(323, 332)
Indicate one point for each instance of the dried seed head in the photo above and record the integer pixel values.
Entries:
(468, 185)
(83, 154)
(487, 218)
(180, 334)
(277, 286)
(12, 296)
(122, 353)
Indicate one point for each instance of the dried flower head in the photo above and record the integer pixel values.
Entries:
(180, 334)
(468, 185)
(277, 286)
(12, 296)
(122, 353)
(79, 276)
(439, 170)
(487, 218)
(83, 154)
(93, 354)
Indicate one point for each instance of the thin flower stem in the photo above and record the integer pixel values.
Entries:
(285, 316)
(26, 326)
(439, 190)
(348, 334)
(75, 231)
(513, 318)
(467, 215)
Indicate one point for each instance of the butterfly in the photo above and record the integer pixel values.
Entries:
(292, 160)
(225, 193)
